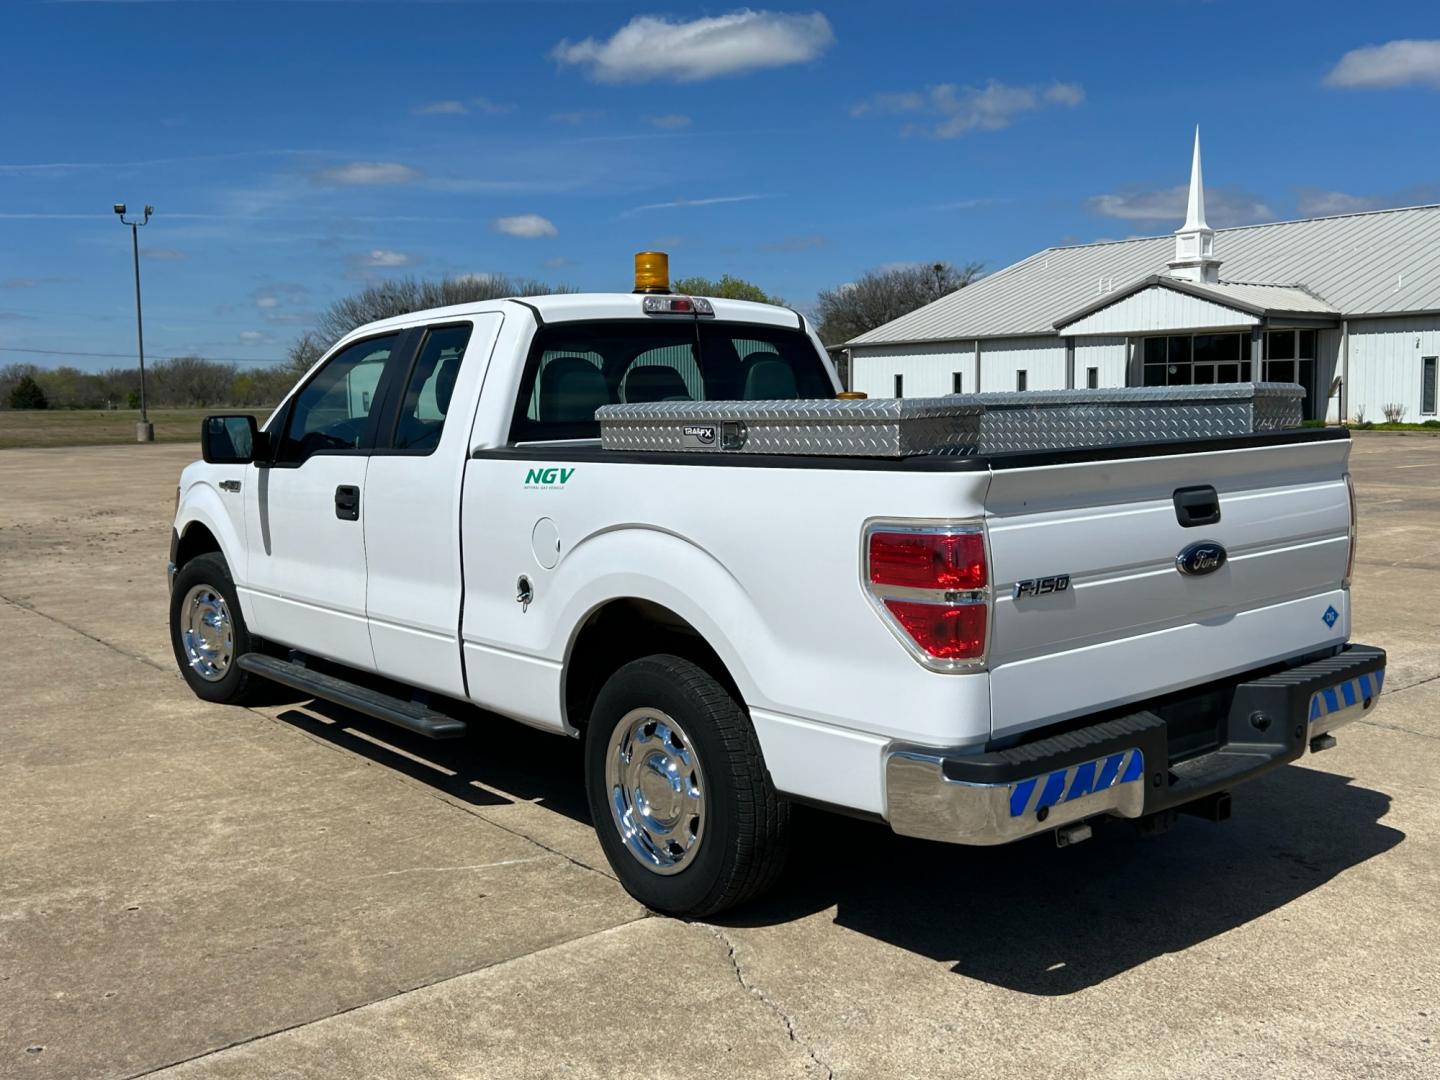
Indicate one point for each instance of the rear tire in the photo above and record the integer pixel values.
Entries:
(679, 792)
(208, 632)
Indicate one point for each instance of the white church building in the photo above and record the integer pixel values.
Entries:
(1346, 306)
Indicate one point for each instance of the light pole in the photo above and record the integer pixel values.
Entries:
(144, 430)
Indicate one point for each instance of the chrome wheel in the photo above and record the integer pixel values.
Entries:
(207, 633)
(657, 790)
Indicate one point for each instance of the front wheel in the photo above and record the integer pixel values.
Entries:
(678, 790)
(207, 630)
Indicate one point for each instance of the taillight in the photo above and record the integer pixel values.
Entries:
(1354, 532)
(931, 585)
(924, 560)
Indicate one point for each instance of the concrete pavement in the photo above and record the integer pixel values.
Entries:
(195, 891)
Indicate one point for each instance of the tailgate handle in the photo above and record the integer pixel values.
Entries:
(1196, 506)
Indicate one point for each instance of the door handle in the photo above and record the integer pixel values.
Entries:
(1196, 506)
(347, 502)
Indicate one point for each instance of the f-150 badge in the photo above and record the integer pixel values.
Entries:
(1040, 586)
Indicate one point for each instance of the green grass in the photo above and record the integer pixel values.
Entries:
(1429, 427)
(101, 427)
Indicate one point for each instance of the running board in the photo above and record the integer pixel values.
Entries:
(410, 715)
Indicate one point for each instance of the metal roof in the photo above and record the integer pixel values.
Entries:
(1382, 262)
(1253, 297)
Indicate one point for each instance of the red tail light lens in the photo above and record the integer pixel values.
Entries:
(930, 583)
(945, 631)
(952, 561)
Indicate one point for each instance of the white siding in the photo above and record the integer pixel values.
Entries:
(1385, 357)
(1109, 354)
(1156, 310)
(1043, 358)
(929, 370)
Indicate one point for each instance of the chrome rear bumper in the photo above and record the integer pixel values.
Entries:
(1122, 767)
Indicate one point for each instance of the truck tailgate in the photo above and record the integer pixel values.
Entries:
(1130, 625)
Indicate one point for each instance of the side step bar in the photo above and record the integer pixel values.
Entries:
(410, 715)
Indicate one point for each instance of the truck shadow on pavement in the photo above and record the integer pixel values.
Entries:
(498, 763)
(1040, 920)
(1027, 917)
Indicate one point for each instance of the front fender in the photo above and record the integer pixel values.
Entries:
(201, 503)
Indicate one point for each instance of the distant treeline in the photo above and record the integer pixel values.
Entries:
(184, 382)
(872, 299)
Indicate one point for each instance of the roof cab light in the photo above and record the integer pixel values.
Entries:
(677, 305)
(931, 585)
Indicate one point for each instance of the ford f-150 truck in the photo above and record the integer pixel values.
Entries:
(974, 648)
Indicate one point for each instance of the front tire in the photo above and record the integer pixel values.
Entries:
(208, 632)
(679, 792)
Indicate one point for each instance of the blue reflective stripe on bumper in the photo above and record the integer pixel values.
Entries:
(1076, 782)
(1346, 695)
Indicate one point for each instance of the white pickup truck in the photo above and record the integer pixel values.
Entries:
(974, 649)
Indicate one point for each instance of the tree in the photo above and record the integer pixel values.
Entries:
(727, 288)
(880, 296)
(401, 296)
(27, 394)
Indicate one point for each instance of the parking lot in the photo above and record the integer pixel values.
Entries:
(190, 890)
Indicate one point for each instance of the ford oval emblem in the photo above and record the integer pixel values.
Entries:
(1203, 557)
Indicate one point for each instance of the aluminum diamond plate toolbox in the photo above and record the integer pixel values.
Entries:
(962, 425)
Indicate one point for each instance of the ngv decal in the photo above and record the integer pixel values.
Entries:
(541, 479)
(1203, 557)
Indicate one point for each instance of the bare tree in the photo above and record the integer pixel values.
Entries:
(400, 296)
(880, 296)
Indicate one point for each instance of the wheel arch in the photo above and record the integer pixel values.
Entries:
(627, 628)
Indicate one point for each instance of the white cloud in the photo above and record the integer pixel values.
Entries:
(480, 278)
(163, 253)
(957, 110)
(1396, 63)
(455, 107)
(712, 201)
(388, 259)
(526, 226)
(369, 172)
(441, 108)
(255, 337)
(1316, 202)
(669, 121)
(1223, 206)
(652, 47)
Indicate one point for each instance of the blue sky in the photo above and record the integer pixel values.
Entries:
(294, 151)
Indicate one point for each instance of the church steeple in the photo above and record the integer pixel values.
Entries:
(1195, 240)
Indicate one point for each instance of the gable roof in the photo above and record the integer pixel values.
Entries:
(1382, 262)
(1254, 299)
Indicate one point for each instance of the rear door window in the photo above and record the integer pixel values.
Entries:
(432, 382)
(575, 368)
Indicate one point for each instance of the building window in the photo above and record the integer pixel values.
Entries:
(899, 385)
(1427, 385)
(1092, 378)
(1195, 359)
(1290, 357)
(1022, 379)
(957, 383)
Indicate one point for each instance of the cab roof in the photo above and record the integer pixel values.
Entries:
(572, 307)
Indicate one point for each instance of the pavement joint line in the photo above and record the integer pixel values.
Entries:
(382, 1000)
(71, 626)
(754, 991)
(21, 605)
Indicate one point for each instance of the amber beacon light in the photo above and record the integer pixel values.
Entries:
(652, 272)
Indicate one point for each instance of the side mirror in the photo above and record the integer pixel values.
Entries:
(232, 440)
